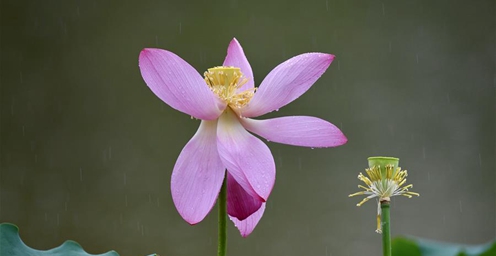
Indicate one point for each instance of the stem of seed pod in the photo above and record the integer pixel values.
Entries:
(386, 228)
(222, 200)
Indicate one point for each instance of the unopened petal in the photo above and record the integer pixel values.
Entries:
(198, 175)
(287, 82)
(303, 131)
(236, 58)
(178, 84)
(247, 225)
(239, 203)
(247, 159)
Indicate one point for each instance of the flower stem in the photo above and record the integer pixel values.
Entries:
(386, 228)
(222, 199)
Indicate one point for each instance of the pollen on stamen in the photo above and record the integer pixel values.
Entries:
(226, 82)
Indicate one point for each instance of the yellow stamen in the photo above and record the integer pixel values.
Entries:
(383, 185)
(363, 201)
(225, 82)
(379, 228)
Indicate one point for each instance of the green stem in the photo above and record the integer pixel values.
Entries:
(221, 249)
(386, 228)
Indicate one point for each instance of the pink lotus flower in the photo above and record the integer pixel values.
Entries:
(225, 101)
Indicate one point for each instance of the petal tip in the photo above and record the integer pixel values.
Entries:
(234, 46)
(247, 226)
(143, 53)
(234, 41)
(191, 220)
(340, 140)
(343, 141)
(329, 57)
(193, 223)
(148, 50)
(263, 199)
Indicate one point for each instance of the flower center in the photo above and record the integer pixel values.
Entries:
(225, 82)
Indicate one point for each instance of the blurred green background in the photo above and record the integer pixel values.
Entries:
(87, 150)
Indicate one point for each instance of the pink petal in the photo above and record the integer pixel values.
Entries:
(178, 84)
(236, 58)
(239, 203)
(246, 158)
(246, 226)
(303, 131)
(287, 82)
(198, 175)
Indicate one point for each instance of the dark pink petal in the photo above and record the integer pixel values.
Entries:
(239, 203)
(236, 58)
(303, 131)
(178, 84)
(246, 158)
(198, 175)
(247, 225)
(287, 82)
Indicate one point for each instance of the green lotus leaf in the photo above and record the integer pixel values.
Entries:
(423, 247)
(12, 245)
(405, 247)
